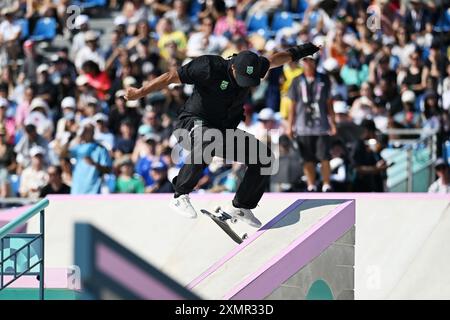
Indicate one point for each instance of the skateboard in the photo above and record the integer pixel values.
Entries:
(220, 217)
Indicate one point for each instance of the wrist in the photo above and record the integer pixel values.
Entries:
(301, 51)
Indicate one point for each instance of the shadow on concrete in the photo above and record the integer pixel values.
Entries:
(294, 215)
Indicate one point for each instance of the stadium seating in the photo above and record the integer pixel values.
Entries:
(259, 21)
(45, 29)
(89, 4)
(282, 20)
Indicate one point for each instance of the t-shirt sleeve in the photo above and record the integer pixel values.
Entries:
(265, 65)
(293, 91)
(74, 151)
(198, 70)
(103, 157)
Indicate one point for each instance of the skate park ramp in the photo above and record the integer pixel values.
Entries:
(288, 255)
(400, 238)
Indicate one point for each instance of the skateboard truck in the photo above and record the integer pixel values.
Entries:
(225, 216)
(220, 218)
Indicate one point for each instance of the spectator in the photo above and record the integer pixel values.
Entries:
(229, 25)
(102, 134)
(347, 131)
(66, 168)
(339, 166)
(159, 176)
(408, 117)
(362, 108)
(145, 153)
(55, 183)
(416, 75)
(38, 116)
(68, 108)
(7, 162)
(397, 76)
(45, 89)
(370, 168)
(312, 118)
(442, 184)
(179, 16)
(82, 24)
(128, 182)
(172, 42)
(9, 33)
(96, 78)
(288, 175)
(205, 41)
(7, 123)
(90, 51)
(268, 129)
(92, 161)
(34, 177)
(248, 124)
(26, 143)
(338, 88)
(124, 142)
(123, 110)
(446, 90)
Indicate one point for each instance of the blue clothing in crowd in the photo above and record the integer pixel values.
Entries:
(87, 179)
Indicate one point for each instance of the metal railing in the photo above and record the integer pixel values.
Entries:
(6, 234)
(426, 140)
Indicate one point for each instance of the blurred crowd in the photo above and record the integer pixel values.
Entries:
(66, 128)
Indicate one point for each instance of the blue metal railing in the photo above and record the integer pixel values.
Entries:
(6, 234)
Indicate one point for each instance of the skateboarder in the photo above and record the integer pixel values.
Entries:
(221, 86)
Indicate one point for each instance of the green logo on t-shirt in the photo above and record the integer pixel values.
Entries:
(249, 69)
(224, 85)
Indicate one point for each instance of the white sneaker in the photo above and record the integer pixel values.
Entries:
(182, 205)
(245, 215)
(327, 188)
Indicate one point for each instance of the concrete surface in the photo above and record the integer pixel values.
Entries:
(400, 238)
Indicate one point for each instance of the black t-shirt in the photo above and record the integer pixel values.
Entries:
(362, 156)
(64, 189)
(216, 99)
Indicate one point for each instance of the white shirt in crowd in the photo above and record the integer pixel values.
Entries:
(8, 30)
(199, 45)
(86, 54)
(32, 181)
(439, 187)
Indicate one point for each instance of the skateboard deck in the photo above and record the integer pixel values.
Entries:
(220, 218)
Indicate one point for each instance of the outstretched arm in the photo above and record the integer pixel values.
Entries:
(155, 85)
(292, 54)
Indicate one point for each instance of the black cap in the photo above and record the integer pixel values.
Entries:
(248, 69)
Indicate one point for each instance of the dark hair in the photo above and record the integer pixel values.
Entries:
(368, 125)
(30, 128)
(167, 151)
(57, 168)
(91, 67)
(4, 87)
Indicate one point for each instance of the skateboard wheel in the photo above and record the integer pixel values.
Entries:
(244, 236)
(234, 220)
(217, 209)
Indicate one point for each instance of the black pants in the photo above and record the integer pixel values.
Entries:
(256, 177)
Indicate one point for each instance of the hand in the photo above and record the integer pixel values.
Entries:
(290, 132)
(381, 165)
(132, 94)
(333, 130)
